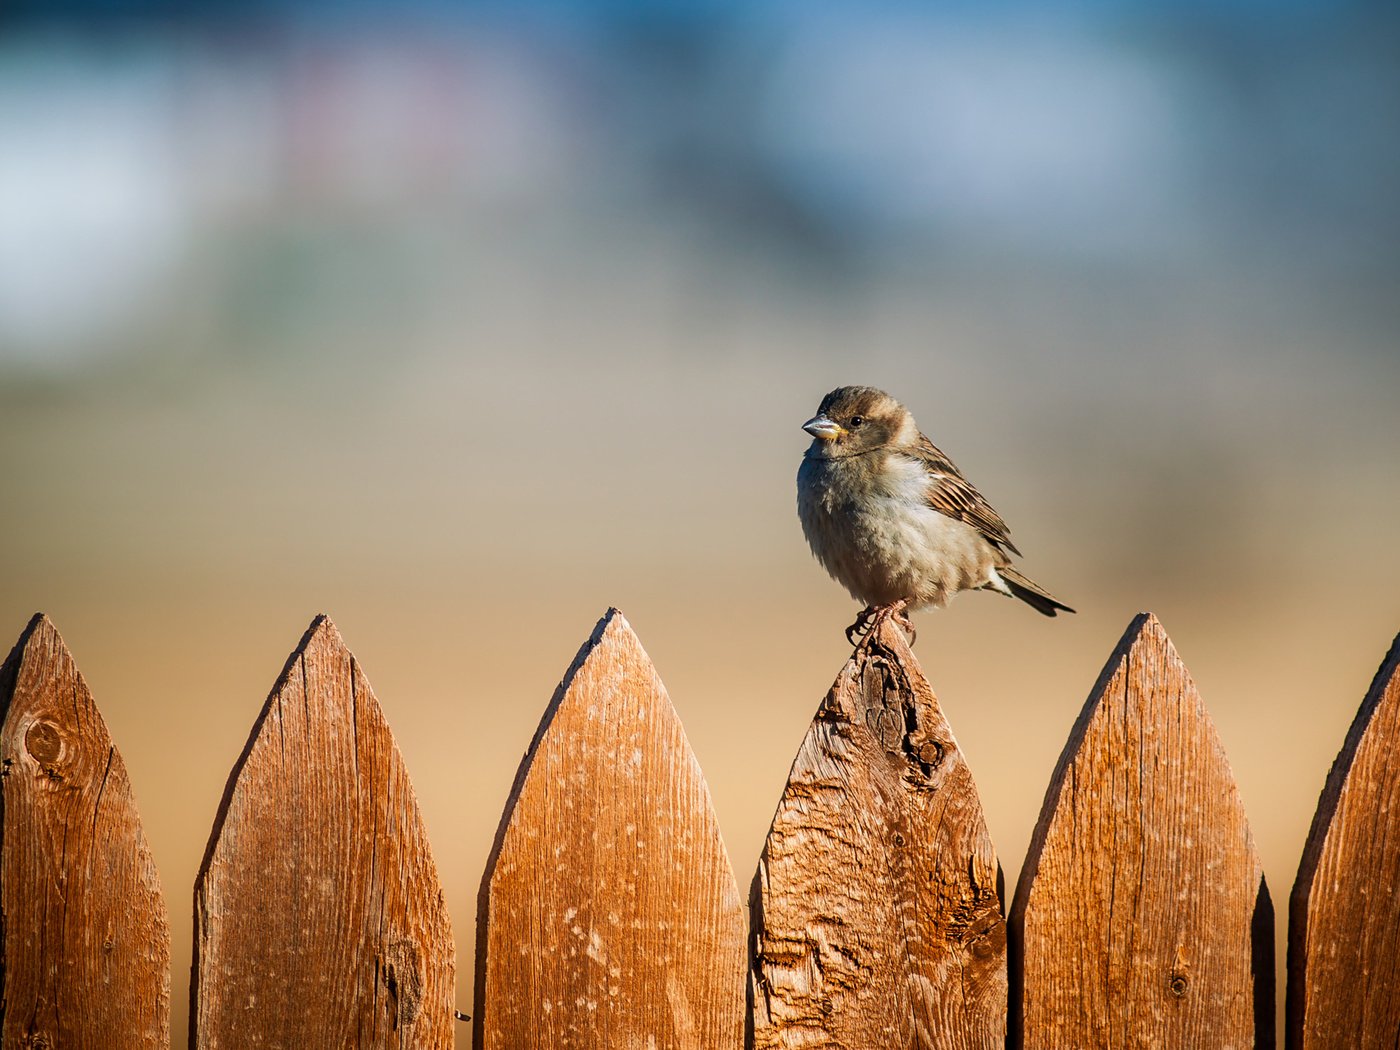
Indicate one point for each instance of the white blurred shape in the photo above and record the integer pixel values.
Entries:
(1049, 138)
(91, 219)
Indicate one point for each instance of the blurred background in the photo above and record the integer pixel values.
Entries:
(461, 322)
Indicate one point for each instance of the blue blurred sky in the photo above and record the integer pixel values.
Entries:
(1160, 138)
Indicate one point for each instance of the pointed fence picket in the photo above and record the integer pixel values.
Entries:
(1141, 917)
(877, 918)
(86, 957)
(319, 918)
(609, 915)
(1344, 921)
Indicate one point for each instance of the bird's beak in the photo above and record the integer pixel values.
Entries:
(823, 429)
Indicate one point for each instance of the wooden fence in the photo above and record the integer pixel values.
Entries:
(609, 915)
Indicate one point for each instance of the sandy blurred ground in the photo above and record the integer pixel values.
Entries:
(464, 416)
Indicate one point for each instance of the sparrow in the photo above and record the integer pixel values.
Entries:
(893, 520)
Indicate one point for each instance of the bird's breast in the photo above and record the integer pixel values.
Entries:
(873, 529)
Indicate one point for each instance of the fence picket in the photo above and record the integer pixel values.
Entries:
(86, 942)
(1141, 917)
(876, 907)
(319, 918)
(609, 916)
(1344, 924)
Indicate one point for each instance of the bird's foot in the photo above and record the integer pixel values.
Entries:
(871, 616)
(864, 622)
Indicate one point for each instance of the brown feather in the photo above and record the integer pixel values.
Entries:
(1032, 593)
(952, 494)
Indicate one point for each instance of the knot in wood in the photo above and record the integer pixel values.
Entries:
(986, 947)
(44, 743)
(931, 754)
(1180, 980)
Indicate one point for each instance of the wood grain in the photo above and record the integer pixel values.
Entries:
(609, 916)
(319, 918)
(877, 918)
(1344, 928)
(1141, 918)
(86, 956)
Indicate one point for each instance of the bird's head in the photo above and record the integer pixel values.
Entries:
(852, 420)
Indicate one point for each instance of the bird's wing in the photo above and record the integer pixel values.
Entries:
(952, 494)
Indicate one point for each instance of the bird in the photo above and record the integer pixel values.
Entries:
(893, 520)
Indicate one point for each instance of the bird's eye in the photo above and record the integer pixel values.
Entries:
(857, 420)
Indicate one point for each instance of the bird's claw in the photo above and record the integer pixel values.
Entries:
(871, 616)
(901, 617)
(864, 622)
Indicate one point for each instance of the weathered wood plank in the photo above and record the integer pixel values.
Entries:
(609, 916)
(319, 918)
(877, 918)
(86, 942)
(1141, 918)
(1344, 926)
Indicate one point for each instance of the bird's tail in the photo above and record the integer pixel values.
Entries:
(1032, 593)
